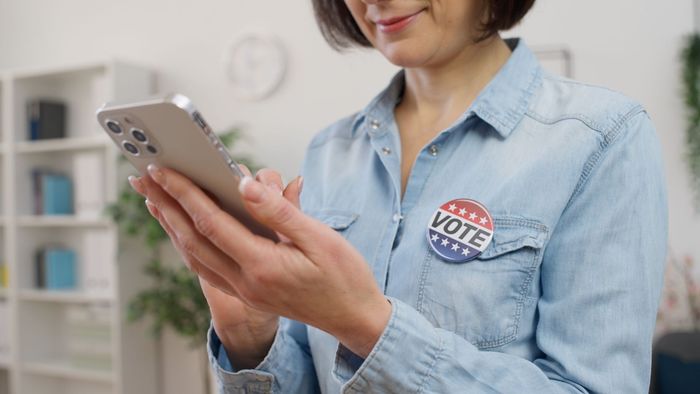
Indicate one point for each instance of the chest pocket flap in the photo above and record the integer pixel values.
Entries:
(334, 218)
(512, 233)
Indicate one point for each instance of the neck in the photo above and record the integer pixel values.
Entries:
(443, 90)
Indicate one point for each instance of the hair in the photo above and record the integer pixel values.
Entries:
(341, 31)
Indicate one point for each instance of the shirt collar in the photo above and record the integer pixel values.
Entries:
(502, 103)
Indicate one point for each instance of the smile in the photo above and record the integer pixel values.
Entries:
(393, 25)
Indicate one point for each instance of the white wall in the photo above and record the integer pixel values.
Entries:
(629, 45)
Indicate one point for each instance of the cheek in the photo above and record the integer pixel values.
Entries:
(358, 9)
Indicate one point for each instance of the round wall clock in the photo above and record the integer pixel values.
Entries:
(256, 65)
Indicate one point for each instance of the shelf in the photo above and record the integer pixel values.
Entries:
(61, 221)
(62, 145)
(64, 297)
(63, 369)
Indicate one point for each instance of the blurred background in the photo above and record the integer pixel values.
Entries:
(78, 256)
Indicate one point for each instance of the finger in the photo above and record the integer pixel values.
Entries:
(244, 168)
(293, 191)
(137, 185)
(222, 230)
(270, 178)
(187, 239)
(191, 262)
(279, 214)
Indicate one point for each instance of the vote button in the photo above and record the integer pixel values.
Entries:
(460, 230)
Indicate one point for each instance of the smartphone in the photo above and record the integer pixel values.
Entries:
(169, 132)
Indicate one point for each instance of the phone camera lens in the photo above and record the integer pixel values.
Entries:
(139, 135)
(152, 149)
(114, 126)
(131, 148)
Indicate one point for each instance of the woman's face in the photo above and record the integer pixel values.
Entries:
(418, 33)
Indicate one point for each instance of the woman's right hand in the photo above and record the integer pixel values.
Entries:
(245, 332)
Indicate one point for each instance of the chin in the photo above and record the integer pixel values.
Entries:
(406, 56)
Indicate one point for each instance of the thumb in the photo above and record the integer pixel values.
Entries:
(275, 211)
(293, 191)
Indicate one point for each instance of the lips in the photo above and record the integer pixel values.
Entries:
(396, 24)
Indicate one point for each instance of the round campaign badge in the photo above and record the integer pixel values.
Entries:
(460, 230)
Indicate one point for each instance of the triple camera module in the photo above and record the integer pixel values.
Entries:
(140, 140)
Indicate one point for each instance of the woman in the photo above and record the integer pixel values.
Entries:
(481, 226)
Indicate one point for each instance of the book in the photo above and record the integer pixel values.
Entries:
(98, 263)
(53, 193)
(56, 269)
(46, 119)
(89, 337)
(89, 185)
(4, 275)
(4, 328)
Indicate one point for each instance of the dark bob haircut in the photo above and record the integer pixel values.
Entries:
(340, 30)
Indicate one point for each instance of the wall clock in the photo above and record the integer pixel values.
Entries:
(256, 65)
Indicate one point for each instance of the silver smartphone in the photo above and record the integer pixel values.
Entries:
(169, 132)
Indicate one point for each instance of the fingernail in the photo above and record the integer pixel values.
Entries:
(135, 183)
(275, 188)
(151, 208)
(251, 190)
(300, 183)
(155, 173)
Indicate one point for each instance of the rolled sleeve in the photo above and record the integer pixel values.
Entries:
(287, 368)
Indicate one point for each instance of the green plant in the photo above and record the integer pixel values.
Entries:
(691, 79)
(175, 299)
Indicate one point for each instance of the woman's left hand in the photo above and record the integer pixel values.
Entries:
(314, 275)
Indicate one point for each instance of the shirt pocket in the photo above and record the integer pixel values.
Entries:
(482, 299)
(337, 219)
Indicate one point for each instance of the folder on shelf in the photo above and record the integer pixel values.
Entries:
(4, 328)
(4, 275)
(89, 185)
(89, 337)
(56, 269)
(98, 254)
(47, 119)
(53, 193)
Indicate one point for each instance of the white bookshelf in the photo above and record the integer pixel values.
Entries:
(42, 326)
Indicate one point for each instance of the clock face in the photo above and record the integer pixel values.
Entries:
(256, 66)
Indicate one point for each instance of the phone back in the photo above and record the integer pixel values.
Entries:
(169, 132)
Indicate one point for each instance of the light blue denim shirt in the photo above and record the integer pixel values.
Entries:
(562, 300)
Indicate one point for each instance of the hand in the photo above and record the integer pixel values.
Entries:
(246, 333)
(313, 275)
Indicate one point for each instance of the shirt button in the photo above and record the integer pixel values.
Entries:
(433, 150)
(374, 124)
(386, 150)
(396, 217)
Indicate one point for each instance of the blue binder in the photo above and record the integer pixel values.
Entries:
(57, 194)
(60, 269)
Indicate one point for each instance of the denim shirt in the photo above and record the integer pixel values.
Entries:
(562, 300)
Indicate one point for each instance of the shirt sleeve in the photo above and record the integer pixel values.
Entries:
(601, 279)
(287, 368)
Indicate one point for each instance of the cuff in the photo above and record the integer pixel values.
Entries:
(403, 357)
(258, 380)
